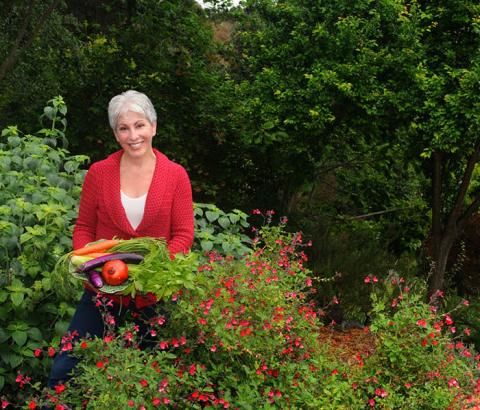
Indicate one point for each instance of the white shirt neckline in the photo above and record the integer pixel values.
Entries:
(134, 208)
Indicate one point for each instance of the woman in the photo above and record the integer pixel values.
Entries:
(136, 191)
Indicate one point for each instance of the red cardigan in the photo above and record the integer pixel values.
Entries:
(168, 209)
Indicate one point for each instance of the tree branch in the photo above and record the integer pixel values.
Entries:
(473, 207)
(456, 213)
(385, 211)
(437, 199)
(16, 49)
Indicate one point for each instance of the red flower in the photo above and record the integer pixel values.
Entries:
(37, 352)
(32, 405)
(5, 404)
(380, 392)
(131, 403)
(100, 364)
(453, 383)
(192, 369)
(448, 320)
(163, 345)
(51, 351)
(156, 401)
(144, 383)
(422, 322)
(84, 345)
(59, 388)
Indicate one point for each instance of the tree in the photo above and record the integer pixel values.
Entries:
(326, 89)
(25, 37)
(447, 121)
(370, 86)
(35, 37)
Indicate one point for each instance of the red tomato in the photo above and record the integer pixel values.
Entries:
(115, 272)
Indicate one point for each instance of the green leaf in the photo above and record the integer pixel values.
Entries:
(3, 335)
(14, 141)
(17, 298)
(224, 222)
(207, 246)
(15, 360)
(61, 327)
(212, 216)
(234, 218)
(19, 337)
(35, 333)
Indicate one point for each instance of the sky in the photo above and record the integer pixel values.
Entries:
(235, 2)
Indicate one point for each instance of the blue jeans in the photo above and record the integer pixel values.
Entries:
(87, 321)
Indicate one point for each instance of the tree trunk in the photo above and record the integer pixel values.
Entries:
(445, 234)
(440, 258)
(22, 42)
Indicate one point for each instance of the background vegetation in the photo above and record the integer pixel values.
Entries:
(358, 121)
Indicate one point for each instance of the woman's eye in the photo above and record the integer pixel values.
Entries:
(140, 125)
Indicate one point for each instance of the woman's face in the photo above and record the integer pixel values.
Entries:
(134, 133)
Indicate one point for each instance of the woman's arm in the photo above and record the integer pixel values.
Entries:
(84, 230)
(182, 225)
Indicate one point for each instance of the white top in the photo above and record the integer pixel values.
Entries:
(134, 208)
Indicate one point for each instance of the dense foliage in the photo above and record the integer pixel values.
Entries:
(41, 184)
(356, 120)
(244, 337)
(40, 187)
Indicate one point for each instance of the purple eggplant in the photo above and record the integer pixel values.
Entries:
(95, 278)
(95, 263)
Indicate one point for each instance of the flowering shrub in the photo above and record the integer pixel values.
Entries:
(419, 360)
(246, 337)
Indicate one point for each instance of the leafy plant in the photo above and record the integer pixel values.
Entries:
(40, 187)
(244, 337)
(418, 352)
(221, 232)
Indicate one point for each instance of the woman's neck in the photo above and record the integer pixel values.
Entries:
(146, 161)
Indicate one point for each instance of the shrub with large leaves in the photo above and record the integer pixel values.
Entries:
(40, 185)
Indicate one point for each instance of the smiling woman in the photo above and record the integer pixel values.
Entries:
(135, 192)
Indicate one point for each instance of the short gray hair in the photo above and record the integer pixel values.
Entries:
(130, 100)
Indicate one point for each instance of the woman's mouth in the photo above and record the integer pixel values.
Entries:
(135, 145)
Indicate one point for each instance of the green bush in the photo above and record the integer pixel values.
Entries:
(245, 338)
(221, 232)
(40, 185)
(39, 191)
(420, 359)
(242, 338)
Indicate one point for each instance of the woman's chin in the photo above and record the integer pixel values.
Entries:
(139, 152)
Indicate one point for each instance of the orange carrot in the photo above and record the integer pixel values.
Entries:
(96, 254)
(100, 246)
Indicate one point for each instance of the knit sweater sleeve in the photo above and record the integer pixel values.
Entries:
(182, 224)
(84, 230)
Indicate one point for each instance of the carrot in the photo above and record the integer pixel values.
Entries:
(97, 254)
(100, 246)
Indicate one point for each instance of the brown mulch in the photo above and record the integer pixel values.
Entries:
(349, 345)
